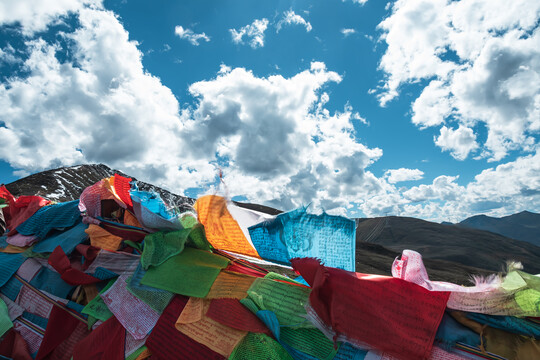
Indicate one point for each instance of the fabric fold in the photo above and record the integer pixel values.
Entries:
(388, 314)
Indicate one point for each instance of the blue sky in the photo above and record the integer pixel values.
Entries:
(416, 108)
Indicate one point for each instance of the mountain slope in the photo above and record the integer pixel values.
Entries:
(469, 247)
(521, 226)
(377, 259)
(67, 183)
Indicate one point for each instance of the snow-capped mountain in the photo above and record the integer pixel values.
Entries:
(67, 183)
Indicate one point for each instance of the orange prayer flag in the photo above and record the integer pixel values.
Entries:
(103, 239)
(230, 285)
(144, 355)
(218, 337)
(131, 220)
(12, 249)
(222, 230)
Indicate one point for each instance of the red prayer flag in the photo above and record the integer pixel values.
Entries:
(126, 233)
(106, 342)
(89, 253)
(122, 186)
(13, 346)
(166, 342)
(386, 313)
(232, 313)
(19, 209)
(60, 262)
(61, 334)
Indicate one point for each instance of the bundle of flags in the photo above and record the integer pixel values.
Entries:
(118, 274)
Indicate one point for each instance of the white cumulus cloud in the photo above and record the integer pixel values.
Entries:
(402, 174)
(499, 191)
(33, 16)
(291, 18)
(8, 55)
(283, 147)
(479, 59)
(348, 32)
(96, 109)
(254, 33)
(360, 2)
(272, 136)
(459, 142)
(190, 36)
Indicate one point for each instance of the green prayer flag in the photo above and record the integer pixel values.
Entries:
(160, 246)
(197, 238)
(527, 291)
(5, 321)
(258, 346)
(250, 304)
(97, 307)
(91, 321)
(188, 220)
(285, 300)
(190, 273)
(310, 341)
(275, 276)
(134, 244)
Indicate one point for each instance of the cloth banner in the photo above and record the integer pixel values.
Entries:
(218, 337)
(161, 245)
(230, 285)
(152, 213)
(106, 342)
(296, 233)
(232, 313)
(385, 313)
(287, 301)
(516, 295)
(134, 314)
(56, 216)
(257, 346)
(190, 273)
(13, 346)
(19, 209)
(67, 240)
(103, 239)
(166, 342)
(222, 230)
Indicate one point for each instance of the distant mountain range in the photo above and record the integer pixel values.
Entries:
(470, 247)
(521, 226)
(451, 252)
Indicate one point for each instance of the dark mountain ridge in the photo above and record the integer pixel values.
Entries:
(470, 247)
(67, 183)
(521, 226)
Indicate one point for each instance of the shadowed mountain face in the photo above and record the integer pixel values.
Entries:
(521, 226)
(376, 259)
(451, 253)
(469, 247)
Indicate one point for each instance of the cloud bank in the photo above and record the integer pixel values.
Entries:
(479, 59)
(273, 137)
